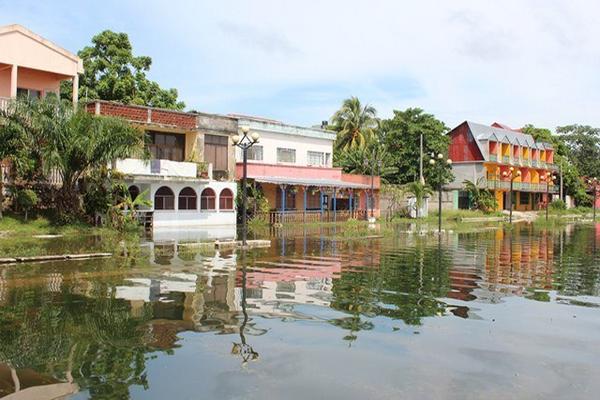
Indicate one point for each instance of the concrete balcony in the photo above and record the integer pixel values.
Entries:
(157, 168)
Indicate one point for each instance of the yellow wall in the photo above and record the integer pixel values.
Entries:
(543, 155)
(500, 199)
(191, 152)
(535, 176)
(526, 153)
(505, 149)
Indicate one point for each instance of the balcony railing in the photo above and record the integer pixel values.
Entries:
(506, 159)
(534, 163)
(493, 157)
(134, 166)
(4, 101)
(522, 186)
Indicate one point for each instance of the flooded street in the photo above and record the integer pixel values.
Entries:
(493, 314)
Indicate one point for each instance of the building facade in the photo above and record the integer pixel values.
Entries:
(189, 177)
(493, 156)
(34, 67)
(292, 166)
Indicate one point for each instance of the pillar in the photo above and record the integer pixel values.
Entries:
(283, 198)
(334, 205)
(13, 81)
(351, 203)
(75, 89)
(305, 188)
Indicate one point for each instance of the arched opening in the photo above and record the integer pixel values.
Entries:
(164, 199)
(207, 199)
(188, 199)
(226, 199)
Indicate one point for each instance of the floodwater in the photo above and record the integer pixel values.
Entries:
(491, 314)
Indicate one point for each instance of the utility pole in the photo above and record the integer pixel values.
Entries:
(421, 179)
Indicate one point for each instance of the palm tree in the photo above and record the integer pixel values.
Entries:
(50, 137)
(354, 124)
(419, 191)
(481, 199)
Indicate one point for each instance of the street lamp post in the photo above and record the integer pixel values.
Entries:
(439, 171)
(244, 142)
(512, 175)
(372, 192)
(549, 177)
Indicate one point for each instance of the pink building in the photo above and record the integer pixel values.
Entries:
(292, 166)
(33, 66)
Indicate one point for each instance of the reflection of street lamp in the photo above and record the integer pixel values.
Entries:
(439, 171)
(244, 143)
(594, 182)
(512, 175)
(548, 178)
(243, 349)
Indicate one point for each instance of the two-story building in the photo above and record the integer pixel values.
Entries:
(190, 176)
(292, 166)
(495, 155)
(33, 66)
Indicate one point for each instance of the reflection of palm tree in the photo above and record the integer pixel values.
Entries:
(243, 349)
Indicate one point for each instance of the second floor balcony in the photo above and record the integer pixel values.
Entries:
(163, 168)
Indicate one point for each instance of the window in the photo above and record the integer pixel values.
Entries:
(164, 199)
(207, 199)
(167, 146)
(23, 93)
(226, 200)
(286, 155)
(187, 199)
(255, 153)
(215, 151)
(318, 158)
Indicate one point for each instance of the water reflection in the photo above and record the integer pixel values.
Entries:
(95, 326)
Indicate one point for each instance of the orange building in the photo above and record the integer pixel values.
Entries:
(496, 156)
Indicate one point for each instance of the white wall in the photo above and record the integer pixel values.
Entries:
(191, 218)
(302, 144)
(466, 171)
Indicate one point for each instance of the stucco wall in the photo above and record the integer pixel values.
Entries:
(466, 171)
(302, 144)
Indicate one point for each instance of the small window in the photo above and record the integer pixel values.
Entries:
(188, 199)
(255, 153)
(286, 155)
(226, 200)
(164, 199)
(207, 199)
(316, 158)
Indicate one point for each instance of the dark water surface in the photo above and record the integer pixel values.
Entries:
(492, 314)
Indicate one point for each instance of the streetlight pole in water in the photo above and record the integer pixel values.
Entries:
(244, 142)
(440, 176)
(512, 175)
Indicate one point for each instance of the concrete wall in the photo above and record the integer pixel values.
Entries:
(270, 141)
(466, 171)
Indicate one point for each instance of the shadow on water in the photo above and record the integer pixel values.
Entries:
(95, 326)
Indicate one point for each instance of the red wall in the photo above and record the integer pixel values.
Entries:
(145, 114)
(462, 145)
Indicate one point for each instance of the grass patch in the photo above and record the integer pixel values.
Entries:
(11, 225)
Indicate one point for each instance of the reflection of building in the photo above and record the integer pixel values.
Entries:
(488, 153)
(510, 263)
(27, 384)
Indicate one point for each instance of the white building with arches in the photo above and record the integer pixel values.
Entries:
(190, 176)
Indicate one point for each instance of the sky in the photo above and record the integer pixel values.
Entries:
(515, 62)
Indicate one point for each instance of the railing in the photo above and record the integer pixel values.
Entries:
(493, 157)
(4, 102)
(311, 216)
(133, 166)
(506, 159)
(534, 163)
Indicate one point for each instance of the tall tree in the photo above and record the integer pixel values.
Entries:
(401, 135)
(354, 123)
(112, 72)
(583, 142)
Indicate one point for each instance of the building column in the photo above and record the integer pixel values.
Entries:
(334, 205)
(305, 188)
(350, 203)
(13, 81)
(75, 89)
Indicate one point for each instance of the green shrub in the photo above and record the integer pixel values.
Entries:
(26, 199)
(558, 205)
